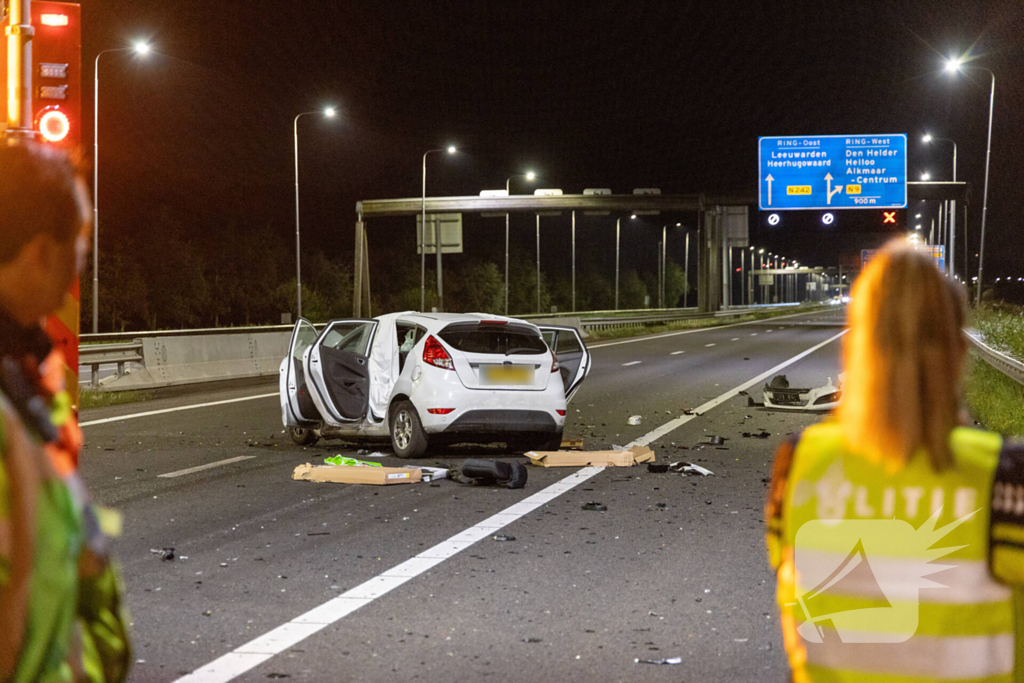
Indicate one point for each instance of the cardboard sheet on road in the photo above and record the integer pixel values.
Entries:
(381, 476)
(626, 458)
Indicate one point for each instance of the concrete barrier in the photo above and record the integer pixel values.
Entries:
(170, 361)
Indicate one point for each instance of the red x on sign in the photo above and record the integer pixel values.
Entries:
(888, 216)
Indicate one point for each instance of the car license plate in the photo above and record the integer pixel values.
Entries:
(508, 375)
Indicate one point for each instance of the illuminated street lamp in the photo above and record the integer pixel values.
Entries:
(925, 176)
(329, 112)
(530, 176)
(437, 240)
(955, 65)
(139, 48)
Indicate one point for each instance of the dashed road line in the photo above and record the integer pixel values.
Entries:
(207, 466)
(711, 344)
(134, 416)
(250, 655)
(676, 353)
(635, 362)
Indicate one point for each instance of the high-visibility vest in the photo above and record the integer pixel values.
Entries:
(862, 601)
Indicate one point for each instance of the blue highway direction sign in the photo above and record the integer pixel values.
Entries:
(832, 172)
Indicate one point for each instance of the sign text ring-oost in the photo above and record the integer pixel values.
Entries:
(832, 172)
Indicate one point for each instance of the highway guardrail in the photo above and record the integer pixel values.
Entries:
(172, 357)
(1009, 366)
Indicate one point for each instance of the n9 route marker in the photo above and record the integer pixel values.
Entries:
(832, 172)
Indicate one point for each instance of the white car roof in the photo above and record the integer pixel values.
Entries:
(437, 321)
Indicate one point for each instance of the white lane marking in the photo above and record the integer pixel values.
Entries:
(207, 466)
(753, 334)
(711, 344)
(735, 339)
(676, 353)
(259, 650)
(635, 362)
(247, 657)
(700, 410)
(693, 331)
(174, 410)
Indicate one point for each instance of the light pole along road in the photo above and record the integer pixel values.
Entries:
(329, 113)
(529, 175)
(423, 240)
(954, 66)
(950, 209)
(139, 48)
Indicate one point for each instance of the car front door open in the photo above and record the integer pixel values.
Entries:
(572, 354)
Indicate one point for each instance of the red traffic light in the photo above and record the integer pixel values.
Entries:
(53, 124)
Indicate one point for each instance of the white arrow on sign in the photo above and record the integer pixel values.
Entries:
(831, 192)
(769, 179)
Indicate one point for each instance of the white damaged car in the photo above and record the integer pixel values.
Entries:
(432, 378)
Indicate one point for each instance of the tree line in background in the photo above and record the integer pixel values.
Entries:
(177, 278)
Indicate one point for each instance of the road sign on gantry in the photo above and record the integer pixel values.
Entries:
(832, 172)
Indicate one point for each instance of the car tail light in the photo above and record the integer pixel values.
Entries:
(561, 412)
(554, 362)
(435, 354)
(440, 411)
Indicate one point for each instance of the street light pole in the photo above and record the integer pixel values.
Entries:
(423, 241)
(574, 261)
(686, 271)
(329, 113)
(618, 227)
(529, 175)
(142, 49)
(538, 262)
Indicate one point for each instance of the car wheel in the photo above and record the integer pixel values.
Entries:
(553, 443)
(304, 436)
(407, 436)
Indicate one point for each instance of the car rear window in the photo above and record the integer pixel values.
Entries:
(492, 338)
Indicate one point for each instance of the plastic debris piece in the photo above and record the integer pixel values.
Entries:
(690, 412)
(375, 454)
(207, 613)
(479, 472)
(531, 640)
(670, 660)
(689, 468)
(713, 440)
(635, 420)
(166, 554)
(757, 435)
(504, 537)
(597, 507)
(657, 467)
(343, 461)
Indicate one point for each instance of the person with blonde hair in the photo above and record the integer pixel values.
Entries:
(897, 534)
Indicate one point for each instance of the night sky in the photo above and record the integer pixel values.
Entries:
(620, 95)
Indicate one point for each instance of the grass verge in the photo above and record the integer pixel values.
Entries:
(102, 399)
(1002, 326)
(995, 400)
(619, 333)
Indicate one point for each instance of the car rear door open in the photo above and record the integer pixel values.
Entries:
(338, 368)
(572, 354)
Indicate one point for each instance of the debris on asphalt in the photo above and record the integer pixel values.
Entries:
(571, 445)
(432, 473)
(779, 395)
(479, 472)
(635, 420)
(364, 473)
(504, 538)
(670, 660)
(690, 412)
(757, 435)
(207, 613)
(689, 468)
(595, 506)
(657, 467)
(343, 461)
(614, 458)
(166, 554)
(531, 640)
(712, 440)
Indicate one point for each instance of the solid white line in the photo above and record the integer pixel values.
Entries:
(711, 344)
(676, 353)
(635, 362)
(173, 410)
(259, 650)
(634, 340)
(207, 466)
(255, 652)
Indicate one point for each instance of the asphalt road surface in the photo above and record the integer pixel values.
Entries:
(281, 579)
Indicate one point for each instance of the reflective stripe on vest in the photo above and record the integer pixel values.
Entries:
(889, 579)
